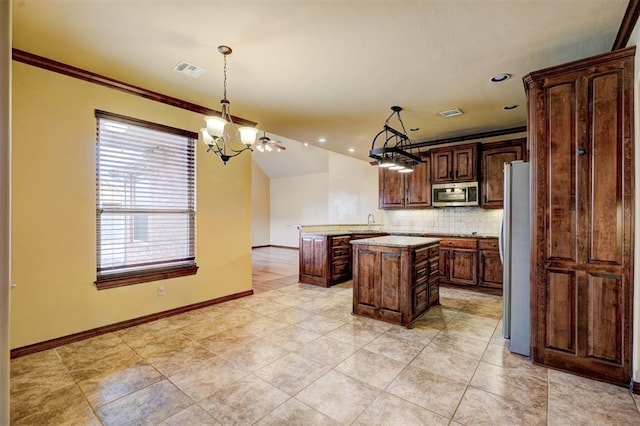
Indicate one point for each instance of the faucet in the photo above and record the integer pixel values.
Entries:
(370, 220)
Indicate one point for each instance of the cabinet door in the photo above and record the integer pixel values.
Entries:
(582, 242)
(464, 266)
(442, 166)
(443, 264)
(313, 256)
(490, 269)
(390, 189)
(493, 158)
(418, 185)
(390, 287)
(465, 162)
(366, 297)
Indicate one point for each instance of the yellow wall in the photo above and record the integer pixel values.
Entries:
(53, 241)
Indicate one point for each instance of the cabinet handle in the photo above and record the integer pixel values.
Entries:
(450, 174)
(581, 152)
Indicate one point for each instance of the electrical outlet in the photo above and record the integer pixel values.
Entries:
(161, 291)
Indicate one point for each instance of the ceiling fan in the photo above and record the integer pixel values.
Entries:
(266, 144)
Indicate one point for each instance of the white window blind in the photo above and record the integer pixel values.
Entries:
(145, 207)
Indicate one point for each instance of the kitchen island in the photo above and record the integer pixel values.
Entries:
(395, 278)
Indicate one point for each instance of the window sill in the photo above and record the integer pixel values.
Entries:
(121, 280)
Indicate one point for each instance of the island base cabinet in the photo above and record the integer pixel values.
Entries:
(392, 283)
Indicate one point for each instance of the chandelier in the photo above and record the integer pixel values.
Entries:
(221, 136)
(393, 144)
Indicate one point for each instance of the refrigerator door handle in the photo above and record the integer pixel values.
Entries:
(505, 233)
(501, 239)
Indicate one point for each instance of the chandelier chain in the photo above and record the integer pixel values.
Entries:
(225, 77)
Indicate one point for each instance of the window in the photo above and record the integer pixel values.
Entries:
(145, 201)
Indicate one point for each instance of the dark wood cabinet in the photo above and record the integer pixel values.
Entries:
(459, 261)
(471, 262)
(580, 130)
(391, 189)
(463, 267)
(340, 259)
(326, 259)
(493, 156)
(490, 265)
(313, 249)
(455, 164)
(405, 190)
(395, 284)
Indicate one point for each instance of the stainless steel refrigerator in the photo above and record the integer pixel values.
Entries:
(515, 249)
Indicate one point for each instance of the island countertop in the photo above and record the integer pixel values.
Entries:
(396, 241)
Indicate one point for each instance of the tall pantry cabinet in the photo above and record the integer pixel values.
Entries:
(580, 131)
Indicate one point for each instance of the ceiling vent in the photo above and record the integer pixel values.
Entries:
(451, 113)
(191, 70)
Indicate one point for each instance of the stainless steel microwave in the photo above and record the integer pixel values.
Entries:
(454, 194)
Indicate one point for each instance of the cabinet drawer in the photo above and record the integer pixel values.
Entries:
(488, 244)
(421, 254)
(466, 243)
(341, 251)
(434, 267)
(426, 253)
(340, 241)
(340, 268)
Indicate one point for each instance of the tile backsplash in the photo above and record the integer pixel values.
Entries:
(450, 220)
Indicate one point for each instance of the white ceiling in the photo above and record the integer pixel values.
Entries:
(306, 69)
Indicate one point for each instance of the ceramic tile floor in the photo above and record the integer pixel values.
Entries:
(296, 356)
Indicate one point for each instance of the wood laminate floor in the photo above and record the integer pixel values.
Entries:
(273, 268)
(295, 355)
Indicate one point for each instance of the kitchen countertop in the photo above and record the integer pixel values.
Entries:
(397, 241)
(441, 235)
(333, 233)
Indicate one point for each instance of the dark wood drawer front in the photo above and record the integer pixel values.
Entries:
(342, 268)
(467, 243)
(341, 251)
(434, 267)
(340, 241)
(422, 254)
(489, 244)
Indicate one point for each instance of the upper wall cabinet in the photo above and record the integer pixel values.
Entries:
(405, 190)
(493, 157)
(455, 163)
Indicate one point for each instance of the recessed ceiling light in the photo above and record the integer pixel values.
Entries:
(352, 150)
(414, 129)
(306, 144)
(322, 140)
(510, 107)
(500, 78)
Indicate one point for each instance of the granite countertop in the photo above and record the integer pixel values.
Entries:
(441, 235)
(397, 241)
(333, 233)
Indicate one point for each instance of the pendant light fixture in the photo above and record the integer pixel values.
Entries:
(392, 146)
(220, 135)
